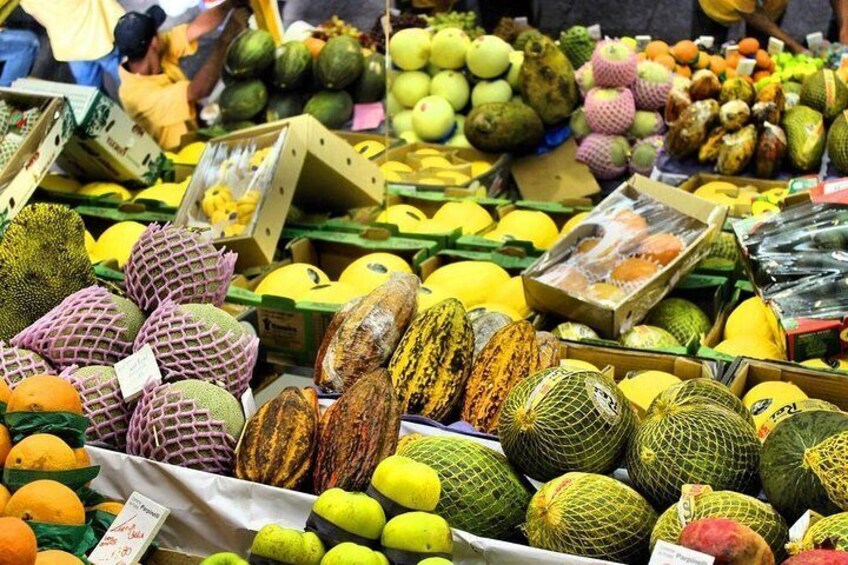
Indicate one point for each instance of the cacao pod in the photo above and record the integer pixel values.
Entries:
(511, 355)
(485, 323)
(708, 153)
(549, 351)
(771, 150)
(431, 363)
(367, 333)
(357, 432)
(279, 440)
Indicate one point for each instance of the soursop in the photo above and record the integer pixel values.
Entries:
(577, 45)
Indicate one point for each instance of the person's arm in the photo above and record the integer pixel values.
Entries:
(840, 13)
(208, 20)
(759, 20)
(207, 76)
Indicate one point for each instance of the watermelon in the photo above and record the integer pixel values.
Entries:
(330, 107)
(340, 63)
(371, 85)
(249, 54)
(243, 100)
(293, 66)
(789, 482)
(237, 125)
(282, 106)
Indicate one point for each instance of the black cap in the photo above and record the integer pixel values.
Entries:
(135, 31)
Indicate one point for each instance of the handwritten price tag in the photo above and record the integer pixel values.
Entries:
(136, 371)
(669, 554)
(131, 533)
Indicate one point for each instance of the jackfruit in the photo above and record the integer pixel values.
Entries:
(805, 133)
(824, 91)
(837, 144)
(42, 261)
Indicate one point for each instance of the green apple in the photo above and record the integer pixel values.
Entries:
(453, 87)
(433, 118)
(491, 91)
(449, 47)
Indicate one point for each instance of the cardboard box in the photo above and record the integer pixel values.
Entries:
(610, 321)
(30, 163)
(170, 557)
(316, 171)
(107, 144)
(555, 176)
(761, 185)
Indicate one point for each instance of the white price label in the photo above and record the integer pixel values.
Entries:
(731, 49)
(815, 41)
(775, 46)
(746, 67)
(800, 527)
(132, 532)
(136, 372)
(669, 554)
(706, 41)
(595, 32)
(642, 42)
(248, 403)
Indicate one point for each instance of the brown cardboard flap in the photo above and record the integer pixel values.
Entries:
(747, 373)
(169, 557)
(625, 361)
(555, 176)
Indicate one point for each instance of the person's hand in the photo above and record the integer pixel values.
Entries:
(237, 23)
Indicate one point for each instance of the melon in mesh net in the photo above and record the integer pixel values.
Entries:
(481, 492)
(591, 515)
(829, 461)
(17, 364)
(707, 391)
(186, 424)
(200, 342)
(173, 263)
(561, 420)
(90, 327)
(103, 405)
(746, 510)
(828, 533)
(703, 444)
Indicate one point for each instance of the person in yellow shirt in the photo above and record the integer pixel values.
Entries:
(154, 90)
(80, 33)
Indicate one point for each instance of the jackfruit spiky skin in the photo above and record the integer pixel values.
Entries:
(42, 261)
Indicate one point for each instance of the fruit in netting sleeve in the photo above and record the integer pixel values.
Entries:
(547, 81)
(46, 501)
(614, 64)
(790, 482)
(704, 391)
(432, 361)
(42, 261)
(689, 131)
(561, 420)
(510, 355)
(579, 125)
(279, 440)
(340, 63)
(605, 155)
(17, 364)
(679, 444)
(805, 135)
(357, 432)
(736, 151)
(646, 124)
(652, 85)
(414, 536)
(366, 334)
(826, 92)
(249, 54)
(503, 127)
(200, 341)
(610, 110)
(830, 532)
(549, 352)
(242, 101)
(481, 492)
(837, 144)
(89, 327)
(338, 517)
(644, 155)
(829, 461)
(191, 424)
(173, 263)
(770, 152)
(819, 557)
(591, 515)
(102, 403)
(402, 484)
(293, 65)
(730, 542)
(584, 79)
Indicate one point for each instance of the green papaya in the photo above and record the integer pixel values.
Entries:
(503, 127)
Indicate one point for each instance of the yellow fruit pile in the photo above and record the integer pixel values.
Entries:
(432, 166)
(752, 330)
(742, 200)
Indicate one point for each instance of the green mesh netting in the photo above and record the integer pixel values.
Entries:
(828, 533)
(481, 492)
(591, 516)
(692, 444)
(561, 420)
(829, 461)
(746, 510)
(705, 390)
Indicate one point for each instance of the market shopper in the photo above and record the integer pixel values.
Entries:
(155, 91)
(80, 33)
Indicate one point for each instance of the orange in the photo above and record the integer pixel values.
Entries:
(56, 557)
(683, 71)
(641, 57)
(733, 60)
(749, 46)
(46, 501)
(5, 391)
(18, 545)
(630, 220)
(763, 59)
(5, 444)
(314, 45)
(666, 61)
(730, 72)
(703, 60)
(633, 269)
(113, 508)
(82, 458)
(41, 452)
(685, 52)
(717, 64)
(5, 495)
(656, 48)
(661, 247)
(760, 75)
(45, 393)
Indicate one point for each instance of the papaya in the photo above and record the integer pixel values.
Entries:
(503, 127)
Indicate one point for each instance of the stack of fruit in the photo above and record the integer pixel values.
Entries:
(744, 200)
(623, 97)
(436, 167)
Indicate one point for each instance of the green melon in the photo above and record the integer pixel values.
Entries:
(561, 420)
(722, 254)
(746, 510)
(134, 317)
(648, 337)
(481, 492)
(340, 63)
(333, 108)
(221, 404)
(789, 482)
(249, 54)
(574, 331)
(703, 390)
(828, 533)
(593, 516)
(242, 101)
(214, 316)
(293, 66)
(681, 318)
(282, 106)
(371, 85)
(679, 445)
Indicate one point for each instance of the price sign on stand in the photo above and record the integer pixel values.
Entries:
(669, 554)
(132, 532)
(775, 46)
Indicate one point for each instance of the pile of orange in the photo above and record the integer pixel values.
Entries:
(685, 57)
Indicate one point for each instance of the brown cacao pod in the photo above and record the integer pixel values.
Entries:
(366, 334)
(485, 324)
(279, 440)
(549, 352)
(357, 432)
(431, 363)
(511, 355)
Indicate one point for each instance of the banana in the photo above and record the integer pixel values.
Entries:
(216, 198)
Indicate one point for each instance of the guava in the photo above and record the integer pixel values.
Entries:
(488, 56)
(451, 86)
(409, 48)
(449, 47)
(433, 118)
